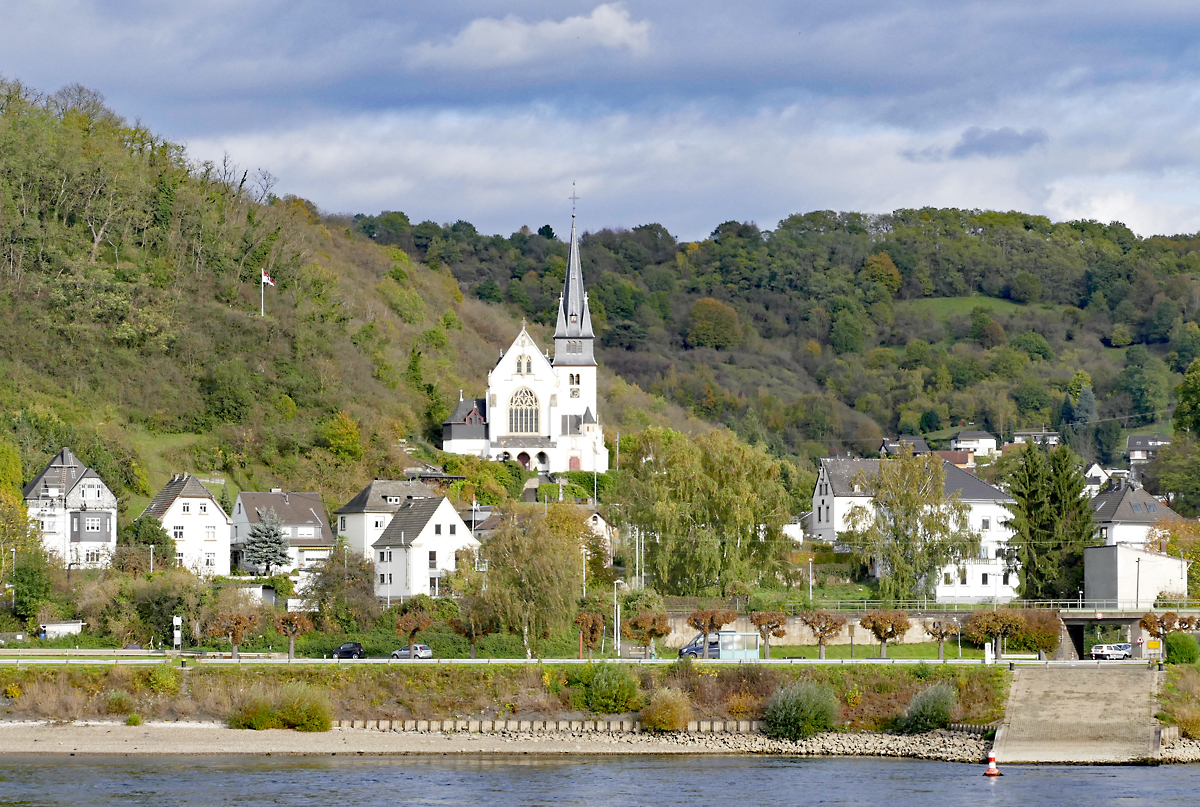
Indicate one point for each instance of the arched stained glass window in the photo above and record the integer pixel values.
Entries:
(523, 412)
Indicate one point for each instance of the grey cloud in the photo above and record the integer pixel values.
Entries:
(1005, 142)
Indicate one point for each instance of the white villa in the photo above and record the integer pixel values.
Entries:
(540, 411)
(977, 442)
(75, 511)
(192, 516)
(416, 550)
(363, 519)
(310, 538)
(981, 579)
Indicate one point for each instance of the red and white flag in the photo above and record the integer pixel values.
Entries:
(266, 279)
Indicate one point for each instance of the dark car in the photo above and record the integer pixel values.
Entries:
(695, 648)
(349, 650)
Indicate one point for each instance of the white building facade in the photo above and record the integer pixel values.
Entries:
(538, 411)
(417, 550)
(981, 444)
(310, 538)
(75, 511)
(987, 577)
(360, 521)
(196, 522)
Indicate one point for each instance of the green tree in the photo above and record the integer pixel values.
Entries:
(1052, 522)
(31, 583)
(879, 268)
(1078, 381)
(267, 546)
(1025, 288)
(341, 590)
(847, 335)
(913, 529)
(1186, 419)
(342, 434)
(1085, 408)
(713, 324)
(1175, 473)
(1146, 379)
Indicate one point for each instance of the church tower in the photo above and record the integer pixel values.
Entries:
(574, 356)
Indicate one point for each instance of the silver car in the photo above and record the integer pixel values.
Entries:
(1110, 651)
(423, 651)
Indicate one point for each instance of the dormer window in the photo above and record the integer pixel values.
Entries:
(393, 500)
(574, 318)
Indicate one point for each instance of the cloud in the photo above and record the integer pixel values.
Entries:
(491, 43)
(1005, 142)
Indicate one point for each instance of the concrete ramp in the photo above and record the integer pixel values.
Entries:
(1084, 714)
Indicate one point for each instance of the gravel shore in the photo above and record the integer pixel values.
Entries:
(191, 739)
(1181, 750)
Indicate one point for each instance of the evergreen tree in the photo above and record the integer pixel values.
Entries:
(267, 545)
(1085, 407)
(1186, 419)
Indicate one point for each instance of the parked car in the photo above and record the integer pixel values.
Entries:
(1111, 651)
(695, 648)
(349, 650)
(423, 651)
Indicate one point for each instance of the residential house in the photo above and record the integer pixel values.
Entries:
(75, 511)
(959, 459)
(1125, 577)
(984, 578)
(196, 522)
(891, 446)
(1040, 435)
(416, 550)
(977, 442)
(1095, 479)
(1125, 514)
(1141, 449)
(363, 519)
(310, 538)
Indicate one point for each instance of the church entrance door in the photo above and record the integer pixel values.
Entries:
(523, 458)
(574, 463)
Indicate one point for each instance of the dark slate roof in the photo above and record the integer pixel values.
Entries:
(459, 415)
(411, 517)
(841, 472)
(293, 509)
(966, 434)
(180, 486)
(1128, 504)
(373, 498)
(574, 315)
(62, 472)
(892, 446)
(1146, 442)
(587, 416)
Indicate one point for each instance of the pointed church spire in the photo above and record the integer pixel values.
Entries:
(574, 316)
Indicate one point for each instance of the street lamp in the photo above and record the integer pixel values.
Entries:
(617, 618)
(958, 635)
(810, 581)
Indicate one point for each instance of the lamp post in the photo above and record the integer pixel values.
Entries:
(617, 618)
(1137, 590)
(151, 558)
(810, 581)
(958, 635)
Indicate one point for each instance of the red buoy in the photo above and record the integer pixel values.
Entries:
(992, 770)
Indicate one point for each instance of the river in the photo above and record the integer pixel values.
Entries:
(561, 782)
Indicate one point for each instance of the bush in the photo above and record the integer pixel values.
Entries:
(613, 690)
(254, 713)
(118, 702)
(295, 706)
(163, 680)
(668, 710)
(133, 720)
(930, 709)
(799, 711)
(1182, 648)
(12, 691)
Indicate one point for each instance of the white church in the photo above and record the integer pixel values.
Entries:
(540, 411)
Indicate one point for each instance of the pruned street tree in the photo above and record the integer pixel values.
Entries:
(645, 628)
(710, 620)
(941, 630)
(234, 625)
(410, 623)
(591, 627)
(993, 626)
(291, 625)
(266, 545)
(824, 626)
(913, 529)
(885, 626)
(769, 623)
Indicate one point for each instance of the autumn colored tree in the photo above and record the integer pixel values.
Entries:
(769, 623)
(885, 626)
(409, 624)
(291, 625)
(824, 626)
(713, 324)
(234, 625)
(941, 630)
(342, 434)
(993, 626)
(880, 268)
(710, 620)
(645, 628)
(591, 625)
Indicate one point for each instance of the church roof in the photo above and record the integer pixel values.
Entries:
(465, 407)
(574, 316)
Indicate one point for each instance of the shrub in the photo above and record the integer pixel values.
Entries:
(133, 720)
(163, 680)
(668, 710)
(930, 709)
(1182, 648)
(254, 713)
(800, 710)
(613, 690)
(304, 708)
(923, 671)
(743, 705)
(12, 691)
(118, 702)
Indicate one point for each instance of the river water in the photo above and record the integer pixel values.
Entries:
(561, 782)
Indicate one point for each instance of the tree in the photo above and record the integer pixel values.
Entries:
(848, 335)
(885, 626)
(824, 626)
(1052, 522)
(993, 335)
(1147, 381)
(266, 545)
(232, 615)
(941, 630)
(145, 532)
(591, 626)
(533, 577)
(343, 437)
(994, 626)
(291, 625)
(31, 582)
(1186, 419)
(1025, 288)
(475, 618)
(712, 506)
(769, 623)
(879, 268)
(411, 622)
(1180, 539)
(710, 620)
(914, 529)
(645, 628)
(341, 590)
(713, 324)
(1085, 407)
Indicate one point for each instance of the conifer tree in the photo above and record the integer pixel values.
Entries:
(267, 545)
(1085, 407)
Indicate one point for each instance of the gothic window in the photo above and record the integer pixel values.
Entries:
(523, 412)
(528, 365)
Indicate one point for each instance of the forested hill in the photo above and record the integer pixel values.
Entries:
(130, 327)
(835, 328)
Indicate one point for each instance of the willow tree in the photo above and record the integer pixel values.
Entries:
(711, 508)
(915, 528)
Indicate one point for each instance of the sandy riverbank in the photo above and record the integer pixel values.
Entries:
(194, 739)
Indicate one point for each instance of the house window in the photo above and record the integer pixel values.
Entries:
(1137, 507)
(179, 559)
(962, 577)
(1104, 533)
(1005, 579)
(187, 507)
(210, 560)
(393, 500)
(437, 529)
(433, 560)
(91, 524)
(203, 507)
(523, 412)
(987, 524)
(342, 524)
(453, 529)
(240, 509)
(382, 579)
(382, 556)
(985, 578)
(389, 579)
(946, 579)
(433, 586)
(177, 533)
(1151, 507)
(92, 556)
(379, 523)
(210, 533)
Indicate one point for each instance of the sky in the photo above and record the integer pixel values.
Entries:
(685, 114)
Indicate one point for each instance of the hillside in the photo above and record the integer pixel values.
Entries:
(130, 327)
(836, 328)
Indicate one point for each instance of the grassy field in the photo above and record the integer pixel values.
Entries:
(870, 649)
